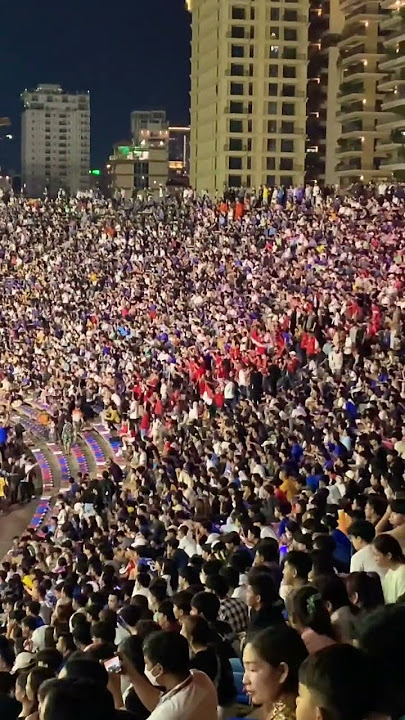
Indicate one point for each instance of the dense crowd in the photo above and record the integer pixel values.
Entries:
(248, 559)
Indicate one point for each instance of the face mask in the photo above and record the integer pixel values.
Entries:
(150, 676)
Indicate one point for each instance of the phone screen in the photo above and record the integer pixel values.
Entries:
(113, 665)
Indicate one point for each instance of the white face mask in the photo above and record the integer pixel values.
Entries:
(151, 677)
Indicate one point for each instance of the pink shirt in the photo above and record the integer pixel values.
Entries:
(314, 642)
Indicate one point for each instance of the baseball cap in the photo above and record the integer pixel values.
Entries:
(23, 661)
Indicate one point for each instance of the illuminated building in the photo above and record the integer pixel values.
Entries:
(362, 112)
(248, 92)
(179, 155)
(55, 150)
(392, 84)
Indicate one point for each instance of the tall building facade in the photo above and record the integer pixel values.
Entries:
(179, 155)
(392, 84)
(248, 92)
(362, 113)
(55, 150)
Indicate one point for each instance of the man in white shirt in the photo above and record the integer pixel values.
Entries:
(189, 695)
(186, 542)
(361, 534)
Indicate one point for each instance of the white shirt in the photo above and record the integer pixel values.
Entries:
(394, 584)
(188, 545)
(191, 700)
(363, 561)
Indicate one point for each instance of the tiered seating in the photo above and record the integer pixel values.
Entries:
(77, 452)
(46, 472)
(95, 448)
(63, 464)
(113, 441)
(40, 513)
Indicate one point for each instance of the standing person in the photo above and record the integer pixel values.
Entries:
(67, 434)
(272, 659)
(389, 557)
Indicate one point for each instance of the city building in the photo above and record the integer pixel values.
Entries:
(248, 92)
(392, 84)
(317, 91)
(55, 140)
(142, 163)
(331, 76)
(179, 155)
(362, 112)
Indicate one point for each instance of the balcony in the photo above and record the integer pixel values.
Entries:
(394, 58)
(394, 100)
(352, 35)
(396, 37)
(350, 147)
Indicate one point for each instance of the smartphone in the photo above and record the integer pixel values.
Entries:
(113, 665)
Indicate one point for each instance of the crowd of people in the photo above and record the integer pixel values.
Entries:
(248, 559)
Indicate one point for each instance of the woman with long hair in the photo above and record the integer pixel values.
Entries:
(365, 591)
(342, 613)
(309, 616)
(34, 681)
(389, 556)
(271, 659)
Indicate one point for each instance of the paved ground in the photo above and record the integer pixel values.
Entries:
(14, 523)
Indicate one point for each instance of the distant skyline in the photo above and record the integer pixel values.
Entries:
(133, 57)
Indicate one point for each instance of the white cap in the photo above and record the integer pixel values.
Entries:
(23, 661)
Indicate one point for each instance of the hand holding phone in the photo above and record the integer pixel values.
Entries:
(113, 665)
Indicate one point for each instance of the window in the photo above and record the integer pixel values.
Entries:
(248, 180)
(290, 53)
(235, 144)
(290, 34)
(250, 107)
(273, 89)
(275, 51)
(234, 181)
(236, 88)
(249, 126)
(290, 15)
(249, 145)
(235, 126)
(237, 70)
(238, 13)
(287, 127)
(274, 33)
(275, 14)
(273, 70)
(289, 71)
(252, 33)
(250, 88)
(271, 180)
(271, 126)
(289, 90)
(236, 107)
(237, 51)
(287, 146)
(271, 163)
(251, 51)
(252, 13)
(251, 70)
(288, 109)
(249, 163)
(237, 31)
(286, 164)
(235, 163)
(272, 108)
(271, 145)
(286, 180)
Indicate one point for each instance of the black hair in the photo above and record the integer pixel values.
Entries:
(388, 545)
(76, 698)
(332, 590)
(197, 630)
(269, 550)
(262, 584)
(82, 666)
(158, 588)
(190, 574)
(367, 587)
(182, 600)
(281, 644)
(131, 647)
(231, 576)
(322, 563)
(50, 658)
(301, 561)
(166, 609)
(168, 649)
(307, 609)
(218, 585)
(144, 628)
(81, 634)
(342, 681)
(130, 614)
(104, 631)
(381, 635)
(37, 676)
(362, 529)
(206, 604)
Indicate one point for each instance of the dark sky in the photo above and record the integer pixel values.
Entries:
(134, 54)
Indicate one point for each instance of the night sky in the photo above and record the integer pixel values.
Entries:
(132, 55)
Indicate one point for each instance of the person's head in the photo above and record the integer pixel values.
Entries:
(375, 508)
(158, 592)
(34, 681)
(365, 590)
(218, 585)
(206, 604)
(49, 658)
(102, 632)
(144, 628)
(361, 533)
(28, 625)
(165, 614)
(181, 604)
(387, 551)
(81, 635)
(131, 648)
(337, 683)
(297, 566)
(166, 658)
(7, 655)
(266, 551)
(128, 616)
(271, 660)
(66, 644)
(333, 592)
(78, 698)
(196, 630)
(21, 687)
(260, 591)
(83, 666)
(307, 610)
(113, 599)
(381, 636)
(188, 576)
